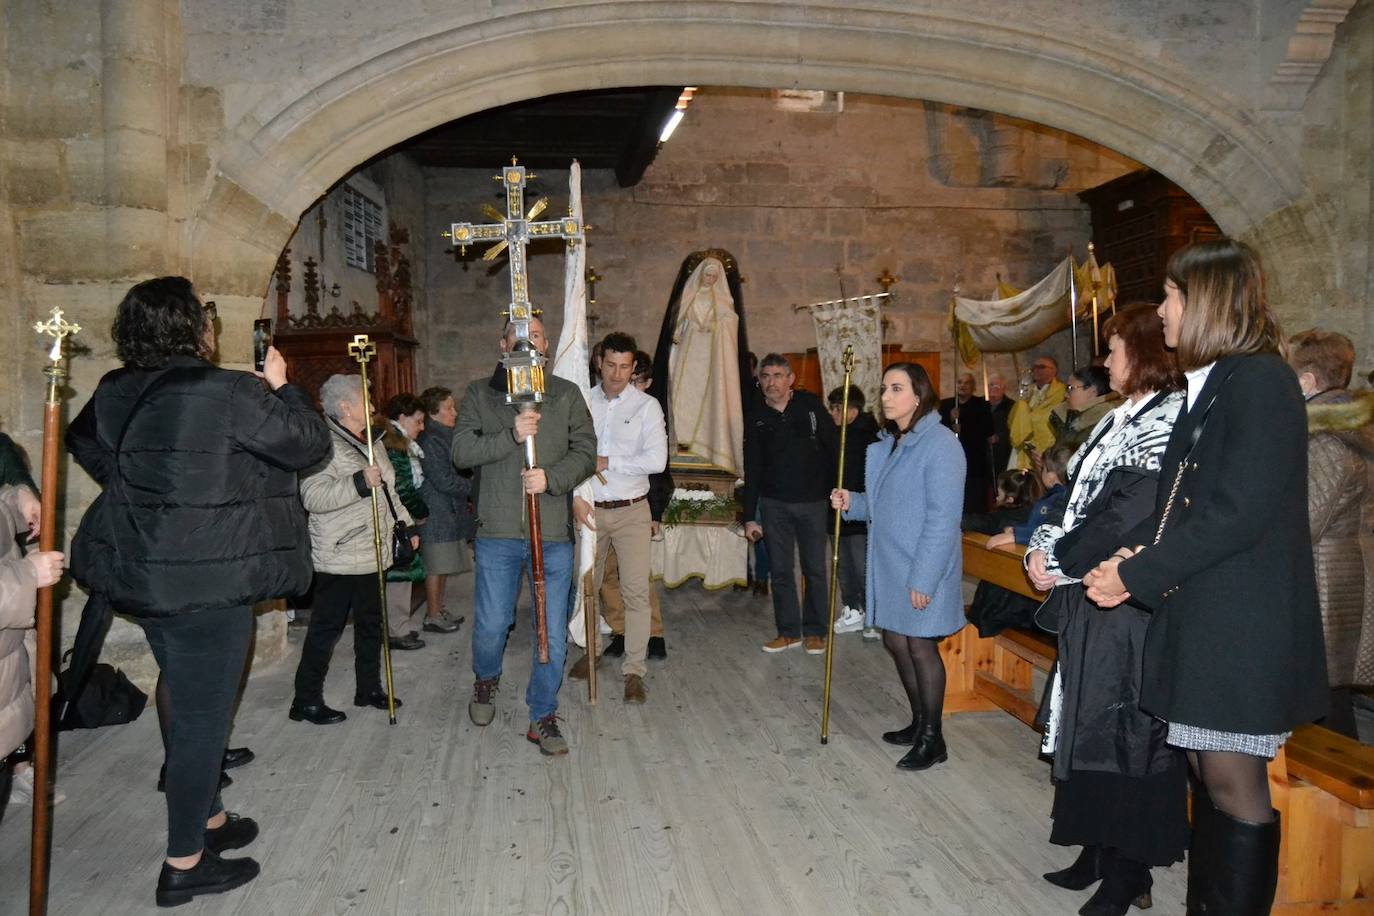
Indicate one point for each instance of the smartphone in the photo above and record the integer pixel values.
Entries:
(262, 339)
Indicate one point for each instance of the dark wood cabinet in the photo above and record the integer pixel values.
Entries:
(1138, 221)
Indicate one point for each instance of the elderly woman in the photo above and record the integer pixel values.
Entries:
(405, 417)
(1233, 658)
(1340, 446)
(337, 493)
(21, 576)
(1088, 398)
(219, 450)
(914, 479)
(451, 524)
(1120, 791)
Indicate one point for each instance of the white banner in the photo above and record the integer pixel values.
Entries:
(856, 321)
(571, 363)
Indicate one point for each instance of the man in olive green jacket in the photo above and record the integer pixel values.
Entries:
(489, 437)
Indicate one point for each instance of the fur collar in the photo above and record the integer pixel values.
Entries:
(1340, 412)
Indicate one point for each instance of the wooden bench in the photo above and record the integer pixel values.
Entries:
(1322, 782)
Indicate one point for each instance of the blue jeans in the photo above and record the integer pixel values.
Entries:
(500, 564)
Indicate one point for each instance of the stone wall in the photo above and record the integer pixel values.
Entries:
(808, 202)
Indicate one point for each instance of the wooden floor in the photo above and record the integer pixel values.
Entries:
(714, 798)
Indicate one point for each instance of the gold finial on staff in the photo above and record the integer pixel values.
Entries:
(363, 351)
(847, 360)
(58, 328)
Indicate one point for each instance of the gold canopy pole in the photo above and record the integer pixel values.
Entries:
(848, 362)
(41, 844)
(363, 350)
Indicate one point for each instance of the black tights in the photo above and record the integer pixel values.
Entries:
(922, 671)
(1237, 783)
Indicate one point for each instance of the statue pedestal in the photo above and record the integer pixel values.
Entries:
(716, 554)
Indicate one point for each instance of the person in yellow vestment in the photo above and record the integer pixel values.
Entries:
(1029, 422)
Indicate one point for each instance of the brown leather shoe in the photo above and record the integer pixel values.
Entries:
(815, 645)
(634, 689)
(579, 670)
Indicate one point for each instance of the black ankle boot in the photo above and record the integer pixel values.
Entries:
(904, 736)
(1125, 883)
(1200, 849)
(928, 750)
(1082, 874)
(1243, 867)
(211, 875)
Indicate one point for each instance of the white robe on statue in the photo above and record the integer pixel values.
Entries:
(706, 415)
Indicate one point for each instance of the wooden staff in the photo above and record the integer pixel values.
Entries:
(848, 361)
(541, 614)
(589, 616)
(41, 845)
(362, 349)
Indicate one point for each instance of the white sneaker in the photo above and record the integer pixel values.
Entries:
(872, 633)
(21, 791)
(851, 621)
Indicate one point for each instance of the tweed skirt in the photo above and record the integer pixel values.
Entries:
(1193, 738)
(446, 558)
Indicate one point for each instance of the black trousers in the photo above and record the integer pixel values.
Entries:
(788, 528)
(201, 655)
(335, 598)
(853, 569)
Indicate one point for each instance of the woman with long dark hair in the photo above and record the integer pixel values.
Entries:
(199, 520)
(1120, 791)
(914, 479)
(1233, 657)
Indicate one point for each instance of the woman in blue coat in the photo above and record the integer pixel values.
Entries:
(914, 497)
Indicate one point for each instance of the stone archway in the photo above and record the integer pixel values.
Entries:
(298, 143)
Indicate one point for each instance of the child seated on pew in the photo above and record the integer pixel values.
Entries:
(1048, 508)
(1017, 491)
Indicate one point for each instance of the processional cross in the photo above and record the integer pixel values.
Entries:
(524, 364)
(58, 328)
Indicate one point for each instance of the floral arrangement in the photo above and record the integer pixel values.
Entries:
(688, 506)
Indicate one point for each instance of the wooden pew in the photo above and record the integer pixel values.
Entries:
(1322, 782)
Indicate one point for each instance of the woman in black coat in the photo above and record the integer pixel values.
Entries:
(1120, 791)
(199, 520)
(1234, 659)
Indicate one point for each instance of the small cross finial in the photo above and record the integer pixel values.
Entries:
(847, 360)
(58, 328)
(362, 349)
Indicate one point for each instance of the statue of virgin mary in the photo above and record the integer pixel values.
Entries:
(702, 345)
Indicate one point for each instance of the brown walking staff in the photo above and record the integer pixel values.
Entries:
(41, 846)
(848, 362)
(363, 350)
(590, 617)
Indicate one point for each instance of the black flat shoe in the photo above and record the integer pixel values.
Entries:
(616, 647)
(376, 699)
(224, 779)
(657, 647)
(211, 875)
(315, 714)
(406, 643)
(237, 757)
(235, 833)
(928, 750)
(904, 737)
(1085, 871)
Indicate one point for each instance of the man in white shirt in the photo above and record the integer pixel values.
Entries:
(631, 444)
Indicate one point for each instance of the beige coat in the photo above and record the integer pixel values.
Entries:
(341, 539)
(18, 644)
(1340, 448)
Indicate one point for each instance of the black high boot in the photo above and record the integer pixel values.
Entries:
(1125, 883)
(1082, 874)
(1200, 849)
(1243, 869)
(904, 736)
(928, 750)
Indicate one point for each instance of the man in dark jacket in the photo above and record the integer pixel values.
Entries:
(971, 419)
(862, 431)
(1000, 407)
(489, 437)
(790, 450)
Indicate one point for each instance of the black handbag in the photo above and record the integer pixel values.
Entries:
(402, 554)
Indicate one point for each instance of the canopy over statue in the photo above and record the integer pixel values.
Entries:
(704, 350)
